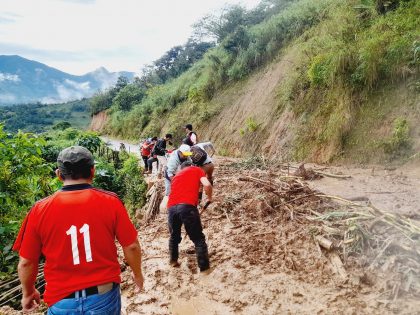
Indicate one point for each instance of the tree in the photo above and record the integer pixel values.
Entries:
(101, 101)
(122, 82)
(218, 27)
(173, 63)
(237, 40)
(128, 96)
(62, 125)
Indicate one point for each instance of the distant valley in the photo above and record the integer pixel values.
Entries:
(27, 81)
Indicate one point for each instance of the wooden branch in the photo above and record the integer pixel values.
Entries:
(338, 265)
(333, 175)
(325, 243)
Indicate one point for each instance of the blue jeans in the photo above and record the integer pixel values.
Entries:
(108, 303)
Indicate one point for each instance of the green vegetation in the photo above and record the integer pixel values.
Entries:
(41, 117)
(24, 178)
(27, 164)
(399, 143)
(251, 125)
(347, 57)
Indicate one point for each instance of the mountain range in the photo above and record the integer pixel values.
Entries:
(27, 81)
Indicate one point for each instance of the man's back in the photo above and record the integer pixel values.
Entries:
(185, 186)
(75, 229)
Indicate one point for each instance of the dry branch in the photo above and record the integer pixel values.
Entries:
(338, 265)
(325, 243)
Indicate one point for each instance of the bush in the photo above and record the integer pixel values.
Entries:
(134, 186)
(24, 178)
(90, 141)
(399, 143)
(106, 177)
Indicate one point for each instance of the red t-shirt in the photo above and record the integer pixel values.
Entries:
(185, 186)
(146, 149)
(75, 230)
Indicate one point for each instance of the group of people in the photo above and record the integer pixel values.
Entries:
(187, 171)
(75, 229)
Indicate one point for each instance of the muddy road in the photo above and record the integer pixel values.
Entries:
(264, 257)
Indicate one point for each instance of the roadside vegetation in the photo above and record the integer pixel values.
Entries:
(27, 164)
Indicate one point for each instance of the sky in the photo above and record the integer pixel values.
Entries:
(79, 36)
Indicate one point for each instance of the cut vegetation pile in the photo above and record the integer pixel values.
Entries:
(298, 222)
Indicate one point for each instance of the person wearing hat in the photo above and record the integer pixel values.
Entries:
(191, 138)
(75, 229)
(182, 209)
(175, 160)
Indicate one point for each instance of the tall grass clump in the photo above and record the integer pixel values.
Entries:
(343, 59)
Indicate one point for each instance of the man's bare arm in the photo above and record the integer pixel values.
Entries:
(208, 188)
(132, 254)
(28, 270)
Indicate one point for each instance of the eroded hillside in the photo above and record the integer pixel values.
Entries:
(344, 86)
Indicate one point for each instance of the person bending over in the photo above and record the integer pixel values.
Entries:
(182, 209)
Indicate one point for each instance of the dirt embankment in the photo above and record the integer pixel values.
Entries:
(98, 121)
(266, 232)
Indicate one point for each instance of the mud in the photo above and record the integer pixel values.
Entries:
(264, 258)
(393, 189)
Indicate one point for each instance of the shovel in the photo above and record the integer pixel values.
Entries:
(206, 205)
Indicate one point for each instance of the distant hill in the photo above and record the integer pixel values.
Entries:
(28, 81)
(42, 117)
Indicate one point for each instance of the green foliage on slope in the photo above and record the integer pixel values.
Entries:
(345, 52)
(344, 60)
(238, 54)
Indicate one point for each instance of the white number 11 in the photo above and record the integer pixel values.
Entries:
(72, 231)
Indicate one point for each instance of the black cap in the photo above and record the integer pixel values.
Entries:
(75, 155)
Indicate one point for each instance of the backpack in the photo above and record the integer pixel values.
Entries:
(199, 156)
(188, 141)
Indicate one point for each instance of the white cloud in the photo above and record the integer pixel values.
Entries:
(120, 35)
(9, 77)
(71, 90)
(83, 86)
(7, 98)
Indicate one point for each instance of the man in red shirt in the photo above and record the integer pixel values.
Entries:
(145, 152)
(75, 229)
(182, 209)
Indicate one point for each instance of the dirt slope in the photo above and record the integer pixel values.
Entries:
(253, 107)
(98, 121)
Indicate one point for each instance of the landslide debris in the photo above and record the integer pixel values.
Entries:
(277, 246)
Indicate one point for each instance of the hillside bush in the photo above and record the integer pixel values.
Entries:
(400, 143)
(24, 178)
(244, 49)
